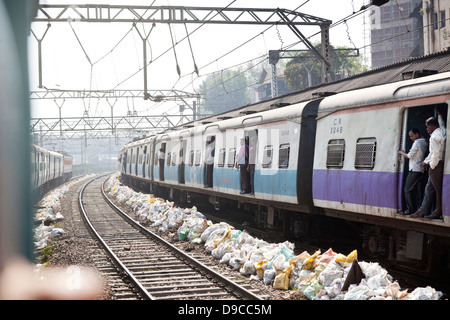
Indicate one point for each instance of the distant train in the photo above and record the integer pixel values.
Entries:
(49, 169)
(335, 156)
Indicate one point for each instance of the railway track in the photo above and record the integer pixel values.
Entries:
(151, 267)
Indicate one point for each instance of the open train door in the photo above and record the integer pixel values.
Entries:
(181, 166)
(415, 118)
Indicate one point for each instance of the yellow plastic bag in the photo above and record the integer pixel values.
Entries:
(347, 259)
(259, 269)
(301, 257)
(352, 256)
(282, 279)
(308, 263)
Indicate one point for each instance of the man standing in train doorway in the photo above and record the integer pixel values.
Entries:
(434, 162)
(413, 185)
(161, 159)
(242, 163)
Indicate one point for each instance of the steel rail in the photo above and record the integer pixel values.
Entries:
(237, 289)
(144, 293)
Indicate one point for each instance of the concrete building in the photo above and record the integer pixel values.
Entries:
(436, 14)
(396, 32)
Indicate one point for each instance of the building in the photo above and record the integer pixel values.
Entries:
(436, 14)
(263, 89)
(396, 32)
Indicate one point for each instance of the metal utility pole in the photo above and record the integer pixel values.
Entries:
(40, 52)
(185, 15)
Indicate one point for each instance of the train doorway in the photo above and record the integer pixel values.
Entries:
(181, 166)
(415, 119)
(209, 161)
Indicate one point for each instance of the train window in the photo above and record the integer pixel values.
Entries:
(198, 156)
(365, 153)
(283, 159)
(221, 162)
(267, 156)
(191, 158)
(169, 158)
(231, 157)
(174, 158)
(335, 153)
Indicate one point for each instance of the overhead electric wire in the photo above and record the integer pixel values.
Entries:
(167, 50)
(344, 20)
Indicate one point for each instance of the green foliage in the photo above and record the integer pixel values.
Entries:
(229, 89)
(224, 91)
(46, 253)
(297, 69)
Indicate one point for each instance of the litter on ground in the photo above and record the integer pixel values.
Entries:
(319, 275)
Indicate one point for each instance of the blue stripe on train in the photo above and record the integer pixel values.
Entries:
(276, 182)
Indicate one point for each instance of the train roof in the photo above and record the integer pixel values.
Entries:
(404, 90)
(375, 79)
(43, 150)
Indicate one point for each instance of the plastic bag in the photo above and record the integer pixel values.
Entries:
(347, 259)
(359, 292)
(300, 258)
(427, 293)
(327, 256)
(309, 262)
(269, 275)
(56, 232)
(183, 232)
(311, 291)
(282, 279)
(260, 267)
(330, 273)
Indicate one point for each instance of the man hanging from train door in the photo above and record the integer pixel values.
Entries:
(252, 163)
(435, 165)
(416, 155)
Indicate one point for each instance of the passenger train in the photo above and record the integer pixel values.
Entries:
(49, 169)
(326, 158)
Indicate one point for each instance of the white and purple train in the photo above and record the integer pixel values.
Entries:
(335, 156)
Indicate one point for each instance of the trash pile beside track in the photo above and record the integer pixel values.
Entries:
(48, 213)
(320, 276)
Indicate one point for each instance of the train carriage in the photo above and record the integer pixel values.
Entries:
(334, 156)
(357, 167)
(282, 174)
(48, 170)
(359, 176)
(67, 166)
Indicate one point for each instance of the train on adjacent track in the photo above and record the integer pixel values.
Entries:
(49, 169)
(326, 159)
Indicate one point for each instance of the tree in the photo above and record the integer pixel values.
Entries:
(229, 89)
(223, 91)
(304, 69)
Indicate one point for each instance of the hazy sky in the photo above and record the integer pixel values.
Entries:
(94, 65)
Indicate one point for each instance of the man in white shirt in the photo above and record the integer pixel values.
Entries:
(435, 164)
(416, 155)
